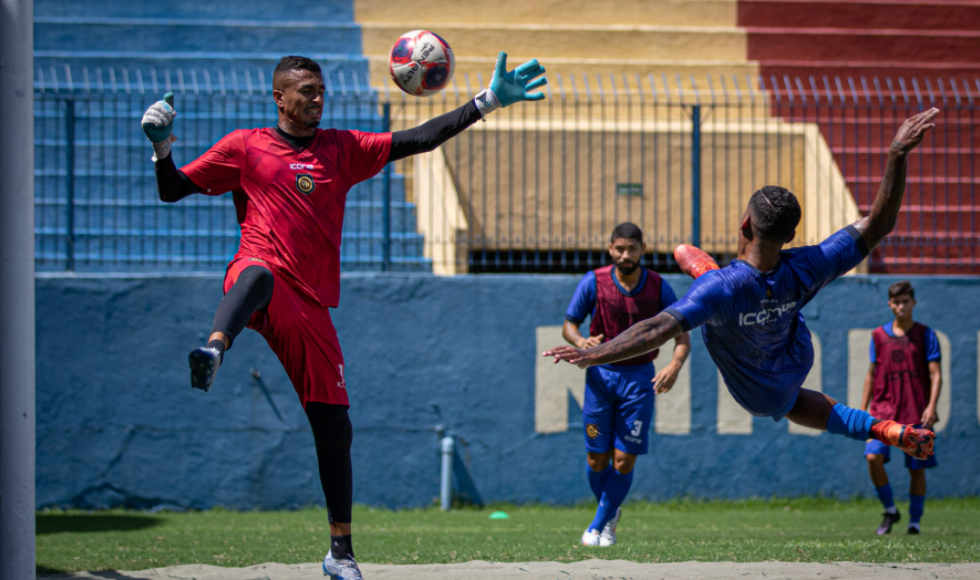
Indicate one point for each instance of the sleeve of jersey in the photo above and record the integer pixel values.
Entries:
(703, 303)
(667, 295)
(366, 154)
(933, 353)
(834, 257)
(220, 169)
(871, 352)
(583, 301)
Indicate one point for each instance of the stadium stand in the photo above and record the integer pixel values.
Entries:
(200, 49)
(936, 42)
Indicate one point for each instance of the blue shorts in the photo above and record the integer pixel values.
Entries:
(878, 448)
(618, 408)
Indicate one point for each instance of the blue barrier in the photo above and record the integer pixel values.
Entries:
(118, 423)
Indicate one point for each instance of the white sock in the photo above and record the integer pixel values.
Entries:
(915, 525)
(892, 510)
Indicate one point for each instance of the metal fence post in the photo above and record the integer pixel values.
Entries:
(70, 184)
(386, 198)
(696, 176)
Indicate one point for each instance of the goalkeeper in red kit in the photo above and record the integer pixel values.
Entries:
(290, 184)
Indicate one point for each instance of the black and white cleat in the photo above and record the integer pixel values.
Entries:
(204, 363)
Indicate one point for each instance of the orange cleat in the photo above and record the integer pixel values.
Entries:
(694, 261)
(916, 442)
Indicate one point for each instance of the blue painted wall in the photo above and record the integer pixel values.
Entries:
(118, 423)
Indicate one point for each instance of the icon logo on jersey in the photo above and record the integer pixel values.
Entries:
(301, 166)
(764, 315)
(305, 183)
(592, 430)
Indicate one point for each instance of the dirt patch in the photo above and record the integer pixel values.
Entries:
(585, 570)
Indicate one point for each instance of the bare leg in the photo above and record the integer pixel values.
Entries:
(623, 462)
(876, 468)
(918, 484)
(812, 409)
(599, 461)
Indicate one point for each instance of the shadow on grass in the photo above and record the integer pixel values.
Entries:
(59, 574)
(60, 523)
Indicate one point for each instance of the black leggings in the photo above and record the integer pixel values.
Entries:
(251, 292)
(333, 433)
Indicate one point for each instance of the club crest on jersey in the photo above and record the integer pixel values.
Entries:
(305, 183)
(592, 430)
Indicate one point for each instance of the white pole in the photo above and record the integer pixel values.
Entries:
(446, 489)
(17, 291)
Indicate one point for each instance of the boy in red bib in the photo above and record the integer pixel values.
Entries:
(902, 384)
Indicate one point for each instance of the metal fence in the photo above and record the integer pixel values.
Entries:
(537, 188)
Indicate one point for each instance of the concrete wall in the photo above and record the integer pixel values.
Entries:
(118, 423)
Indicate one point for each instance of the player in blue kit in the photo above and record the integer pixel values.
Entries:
(619, 398)
(750, 310)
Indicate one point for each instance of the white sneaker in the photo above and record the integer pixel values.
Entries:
(590, 538)
(340, 569)
(608, 536)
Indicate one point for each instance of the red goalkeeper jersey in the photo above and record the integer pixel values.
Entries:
(290, 203)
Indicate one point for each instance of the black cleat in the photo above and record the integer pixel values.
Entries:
(887, 521)
(204, 363)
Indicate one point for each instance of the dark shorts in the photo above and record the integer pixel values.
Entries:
(873, 446)
(300, 332)
(618, 408)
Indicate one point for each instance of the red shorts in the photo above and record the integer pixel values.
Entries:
(300, 332)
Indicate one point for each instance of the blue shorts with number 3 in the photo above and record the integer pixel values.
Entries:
(618, 408)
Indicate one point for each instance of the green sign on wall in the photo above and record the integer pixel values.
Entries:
(629, 189)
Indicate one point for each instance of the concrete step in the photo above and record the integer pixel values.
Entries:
(582, 12)
(526, 41)
(187, 72)
(470, 70)
(946, 69)
(314, 10)
(196, 35)
(787, 44)
(933, 15)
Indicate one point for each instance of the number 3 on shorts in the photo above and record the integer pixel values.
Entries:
(637, 428)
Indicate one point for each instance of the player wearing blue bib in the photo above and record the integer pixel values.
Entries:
(619, 398)
(750, 314)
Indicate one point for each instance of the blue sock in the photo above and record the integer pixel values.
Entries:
(885, 495)
(917, 505)
(613, 494)
(597, 480)
(849, 422)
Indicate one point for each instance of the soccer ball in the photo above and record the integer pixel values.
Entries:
(421, 63)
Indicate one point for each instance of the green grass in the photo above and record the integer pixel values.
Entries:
(819, 530)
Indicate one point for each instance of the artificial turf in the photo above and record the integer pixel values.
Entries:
(820, 530)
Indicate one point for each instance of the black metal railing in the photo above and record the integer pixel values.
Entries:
(537, 188)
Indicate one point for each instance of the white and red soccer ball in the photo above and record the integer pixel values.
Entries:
(421, 63)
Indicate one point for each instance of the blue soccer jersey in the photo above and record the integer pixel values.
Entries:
(752, 323)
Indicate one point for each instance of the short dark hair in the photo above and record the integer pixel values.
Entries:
(627, 231)
(899, 288)
(775, 212)
(290, 63)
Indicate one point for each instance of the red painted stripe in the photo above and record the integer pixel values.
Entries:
(915, 14)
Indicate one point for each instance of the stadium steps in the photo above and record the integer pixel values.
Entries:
(936, 42)
(143, 48)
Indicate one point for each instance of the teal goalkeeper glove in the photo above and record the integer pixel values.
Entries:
(507, 88)
(158, 124)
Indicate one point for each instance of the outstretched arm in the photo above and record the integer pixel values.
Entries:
(158, 124)
(506, 88)
(880, 221)
(638, 339)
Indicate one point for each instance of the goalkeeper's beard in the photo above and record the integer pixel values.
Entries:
(312, 124)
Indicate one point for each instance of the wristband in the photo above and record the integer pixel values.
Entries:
(486, 102)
